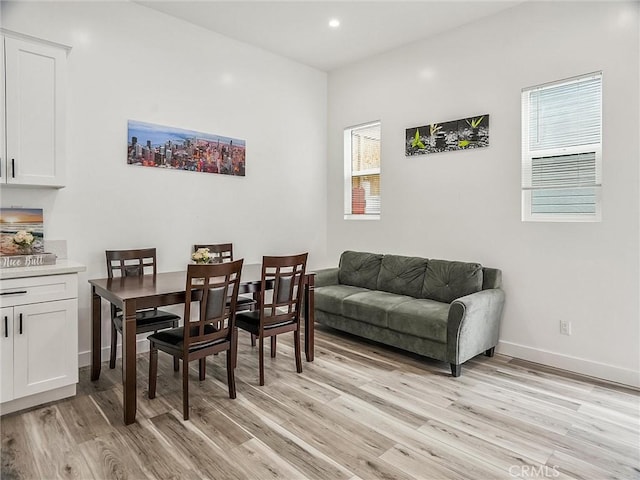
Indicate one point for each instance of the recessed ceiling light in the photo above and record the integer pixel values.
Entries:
(334, 23)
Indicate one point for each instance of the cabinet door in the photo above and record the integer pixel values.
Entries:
(35, 83)
(3, 143)
(6, 354)
(45, 346)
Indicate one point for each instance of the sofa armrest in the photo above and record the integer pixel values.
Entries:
(327, 276)
(474, 324)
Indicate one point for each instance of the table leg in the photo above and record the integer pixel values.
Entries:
(96, 334)
(309, 317)
(129, 361)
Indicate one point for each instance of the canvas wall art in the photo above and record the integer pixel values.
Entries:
(463, 134)
(21, 231)
(153, 145)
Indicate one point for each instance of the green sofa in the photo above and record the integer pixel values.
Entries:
(446, 310)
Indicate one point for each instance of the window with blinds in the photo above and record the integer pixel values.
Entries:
(362, 171)
(562, 150)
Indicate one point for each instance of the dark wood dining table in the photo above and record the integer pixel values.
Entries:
(147, 291)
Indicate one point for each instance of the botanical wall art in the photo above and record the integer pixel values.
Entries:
(174, 148)
(463, 134)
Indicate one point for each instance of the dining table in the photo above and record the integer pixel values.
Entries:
(132, 293)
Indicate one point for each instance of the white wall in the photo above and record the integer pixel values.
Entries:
(130, 62)
(466, 205)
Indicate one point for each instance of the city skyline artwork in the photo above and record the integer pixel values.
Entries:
(152, 145)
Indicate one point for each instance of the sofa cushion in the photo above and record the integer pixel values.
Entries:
(491, 278)
(329, 298)
(421, 318)
(360, 269)
(372, 306)
(402, 275)
(444, 281)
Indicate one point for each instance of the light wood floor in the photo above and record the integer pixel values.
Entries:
(359, 411)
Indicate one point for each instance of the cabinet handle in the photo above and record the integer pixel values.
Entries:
(6, 327)
(17, 292)
(20, 324)
(13, 168)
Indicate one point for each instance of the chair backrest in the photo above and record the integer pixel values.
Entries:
(215, 287)
(221, 252)
(286, 274)
(127, 263)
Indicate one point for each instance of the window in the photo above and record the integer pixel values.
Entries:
(562, 150)
(362, 171)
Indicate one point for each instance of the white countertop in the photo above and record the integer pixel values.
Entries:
(59, 268)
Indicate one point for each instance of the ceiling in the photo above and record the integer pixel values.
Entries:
(299, 29)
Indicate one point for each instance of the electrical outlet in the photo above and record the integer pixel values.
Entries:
(565, 327)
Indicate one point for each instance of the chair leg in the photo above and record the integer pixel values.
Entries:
(261, 359)
(456, 370)
(296, 345)
(273, 346)
(114, 346)
(176, 360)
(153, 370)
(231, 378)
(185, 388)
(234, 348)
(491, 352)
(253, 340)
(202, 368)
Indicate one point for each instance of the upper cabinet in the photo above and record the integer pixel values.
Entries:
(34, 98)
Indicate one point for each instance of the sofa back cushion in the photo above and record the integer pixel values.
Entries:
(444, 281)
(402, 275)
(491, 278)
(359, 269)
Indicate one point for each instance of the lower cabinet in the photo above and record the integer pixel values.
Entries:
(44, 350)
(39, 342)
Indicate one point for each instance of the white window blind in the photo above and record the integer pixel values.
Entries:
(362, 171)
(562, 150)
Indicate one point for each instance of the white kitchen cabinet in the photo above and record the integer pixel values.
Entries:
(39, 340)
(34, 99)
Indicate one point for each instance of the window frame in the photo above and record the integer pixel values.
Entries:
(349, 174)
(528, 155)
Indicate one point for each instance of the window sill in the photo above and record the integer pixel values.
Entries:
(362, 217)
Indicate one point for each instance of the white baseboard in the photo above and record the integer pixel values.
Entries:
(583, 366)
(84, 358)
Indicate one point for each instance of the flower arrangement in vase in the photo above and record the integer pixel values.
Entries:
(24, 241)
(201, 255)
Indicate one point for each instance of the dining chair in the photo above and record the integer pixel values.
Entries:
(213, 331)
(223, 252)
(135, 262)
(279, 312)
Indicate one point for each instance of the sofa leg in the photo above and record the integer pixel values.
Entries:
(490, 352)
(455, 370)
